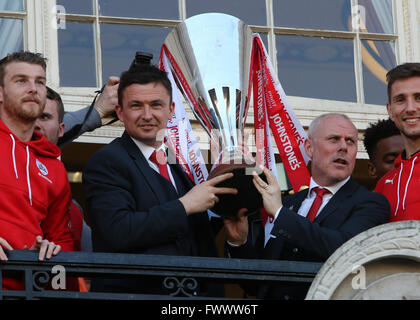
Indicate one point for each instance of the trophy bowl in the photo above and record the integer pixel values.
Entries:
(242, 166)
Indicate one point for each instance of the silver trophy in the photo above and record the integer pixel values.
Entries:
(213, 52)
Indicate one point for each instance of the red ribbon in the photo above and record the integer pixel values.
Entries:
(268, 105)
(266, 95)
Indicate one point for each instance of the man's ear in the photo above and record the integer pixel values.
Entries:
(308, 147)
(388, 108)
(118, 111)
(61, 129)
(372, 170)
(172, 109)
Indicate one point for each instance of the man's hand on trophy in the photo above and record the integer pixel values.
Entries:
(203, 196)
(236, 230)
(270, 191)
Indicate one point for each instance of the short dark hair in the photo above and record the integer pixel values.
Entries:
(402, 71)
(21, 56)
(146, 74)
(53, 95)
(376, 132)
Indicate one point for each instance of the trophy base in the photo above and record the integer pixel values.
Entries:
(248, 196)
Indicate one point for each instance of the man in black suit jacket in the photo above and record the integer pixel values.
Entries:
(346, 209)
(132, 208)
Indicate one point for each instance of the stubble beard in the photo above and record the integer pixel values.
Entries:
(22, 111)
(411, 141)
(411, 135)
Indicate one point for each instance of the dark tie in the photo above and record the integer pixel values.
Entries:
(320, 192)
(159, 158)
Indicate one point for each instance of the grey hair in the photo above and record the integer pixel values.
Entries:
(315, 123)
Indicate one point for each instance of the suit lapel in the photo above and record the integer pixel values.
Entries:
(293, 202)
(182, 181)
(346, 191)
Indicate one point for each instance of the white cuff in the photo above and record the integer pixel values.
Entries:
(277, 213)
(235, 245)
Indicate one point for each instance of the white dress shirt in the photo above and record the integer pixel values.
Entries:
(306, 204)
(147, 151)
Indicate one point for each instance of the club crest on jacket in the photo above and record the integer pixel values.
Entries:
(42, 168)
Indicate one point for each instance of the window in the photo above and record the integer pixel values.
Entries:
(12, 15)
(101, 37)
(316, 67)
(76, 51)
(338, 50)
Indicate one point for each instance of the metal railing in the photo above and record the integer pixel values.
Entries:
(180, 275)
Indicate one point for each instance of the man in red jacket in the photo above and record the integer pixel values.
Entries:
(401, 185)
(35, 192)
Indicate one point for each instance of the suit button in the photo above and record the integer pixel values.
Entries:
(295, 250)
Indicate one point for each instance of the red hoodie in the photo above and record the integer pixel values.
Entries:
(35, 192)
(401, 186)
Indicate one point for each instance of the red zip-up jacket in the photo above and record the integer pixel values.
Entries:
(35, 193)
(401, 187)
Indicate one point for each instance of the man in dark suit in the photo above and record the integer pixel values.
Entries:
(312, 224)
(137, 203)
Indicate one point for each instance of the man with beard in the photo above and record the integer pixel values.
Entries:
(401, 185)
(311, 224)
(35, 192)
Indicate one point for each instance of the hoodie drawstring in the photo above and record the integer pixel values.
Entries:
(28, 181)
(398, 190)
(27, 175)
(13, 155)
(408, 181)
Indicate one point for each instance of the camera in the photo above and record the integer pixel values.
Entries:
(141, 58)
